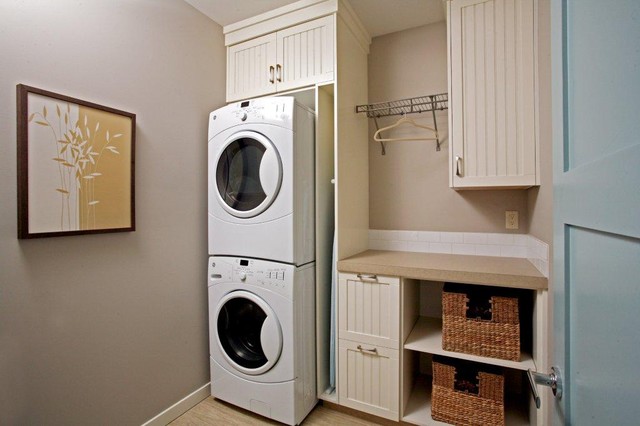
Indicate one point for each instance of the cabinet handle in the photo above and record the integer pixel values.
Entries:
(279, 72)
(271, 71)
(458, 168)
(373, 351)
(367, 277)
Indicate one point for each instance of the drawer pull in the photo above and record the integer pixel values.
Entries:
(373, 351)
(367, 277)
(271, 72)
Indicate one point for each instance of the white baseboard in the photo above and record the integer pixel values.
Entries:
(180, 407)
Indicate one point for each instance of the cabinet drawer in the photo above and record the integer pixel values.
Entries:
(369, 378)
(369, 309)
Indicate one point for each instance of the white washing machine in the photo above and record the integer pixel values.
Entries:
(262, 336)
(261, 180)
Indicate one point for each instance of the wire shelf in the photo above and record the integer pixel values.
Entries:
(418, 104)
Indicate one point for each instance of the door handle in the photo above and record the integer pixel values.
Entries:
(553, 380)
(271, 73)
(365, 277)
(458, 168)
(279, 72)
(372, 351)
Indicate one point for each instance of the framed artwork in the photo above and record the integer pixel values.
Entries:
(75, 166)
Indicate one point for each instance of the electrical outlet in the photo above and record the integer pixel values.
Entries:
(511, 219)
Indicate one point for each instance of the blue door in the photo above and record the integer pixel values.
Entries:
(596, 282)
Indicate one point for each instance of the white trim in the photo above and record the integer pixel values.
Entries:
(180, 407)
(349, 17)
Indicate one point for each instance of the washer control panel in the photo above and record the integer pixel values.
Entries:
(274, 276)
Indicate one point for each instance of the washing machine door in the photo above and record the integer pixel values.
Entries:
(248, 174)
(249, 333)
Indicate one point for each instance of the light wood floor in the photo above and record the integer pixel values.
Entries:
(214, 412)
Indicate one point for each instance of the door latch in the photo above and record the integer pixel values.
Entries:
(553, 380)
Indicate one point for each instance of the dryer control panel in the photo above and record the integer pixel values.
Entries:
(276, 277)
(276, 110)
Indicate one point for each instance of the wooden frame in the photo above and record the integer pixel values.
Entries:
(75, 166)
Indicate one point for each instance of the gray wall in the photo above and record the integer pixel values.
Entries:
(409, 187)
(110, 329)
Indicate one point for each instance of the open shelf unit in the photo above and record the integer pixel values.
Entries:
(418, 408)
(421, 330)
(426, 337)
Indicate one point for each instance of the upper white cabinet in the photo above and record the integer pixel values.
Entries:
(294, 57)
(492, 92)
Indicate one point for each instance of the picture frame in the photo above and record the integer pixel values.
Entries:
(75, 166)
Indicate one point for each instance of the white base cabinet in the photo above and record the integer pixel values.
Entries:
(369, 347)
(390, 328)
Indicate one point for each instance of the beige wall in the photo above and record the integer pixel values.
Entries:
(540, 202)
(110, 329)
(409, 185)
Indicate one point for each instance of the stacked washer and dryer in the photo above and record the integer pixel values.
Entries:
(261, 273)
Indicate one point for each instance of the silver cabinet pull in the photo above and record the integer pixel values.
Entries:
(458, 168)
(371, 277)
(271, 73)
(373, 351)
(279, 72)
(553, 380)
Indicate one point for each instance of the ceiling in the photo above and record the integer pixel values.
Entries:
(378, 16)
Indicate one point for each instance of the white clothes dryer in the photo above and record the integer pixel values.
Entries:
(261, 180)
(262, 336)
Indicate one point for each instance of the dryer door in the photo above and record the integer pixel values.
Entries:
(249, 334)
(248, 174)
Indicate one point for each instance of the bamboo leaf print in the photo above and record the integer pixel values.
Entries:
(62, 190)
(85, 120)
(96, 174)
(60, 160)
(44, 111)
(66, 118)
(117, 135)
(58, 110)
(67, 164)
(42, 123)
(97, 127)
(93, 203)
(31, 116)
(107, 135)
(87, 177)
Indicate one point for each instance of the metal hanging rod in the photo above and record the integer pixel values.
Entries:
(433, 103)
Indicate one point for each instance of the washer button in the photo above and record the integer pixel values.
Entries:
(244, 116)
(243, 276)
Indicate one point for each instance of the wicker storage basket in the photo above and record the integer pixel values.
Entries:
(488, 325)
(478, 404)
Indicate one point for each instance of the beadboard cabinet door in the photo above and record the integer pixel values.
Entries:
(251, 68)
(298, 56)
(369, 379)
(369, 309)
(305, 54)
(492, 87)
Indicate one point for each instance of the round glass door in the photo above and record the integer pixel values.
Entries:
(248, 332)
(248, 174)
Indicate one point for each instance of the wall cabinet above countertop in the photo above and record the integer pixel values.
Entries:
(493, 110)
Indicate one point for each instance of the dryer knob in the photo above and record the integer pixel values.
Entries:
(243, 276)
(244, 116)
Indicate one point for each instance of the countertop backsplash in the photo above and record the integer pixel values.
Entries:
(466, 243)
